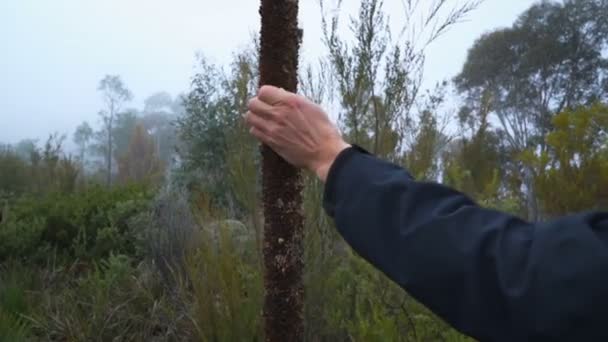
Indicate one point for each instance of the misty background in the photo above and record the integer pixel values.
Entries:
(55, 52)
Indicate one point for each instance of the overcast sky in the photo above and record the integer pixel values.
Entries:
(53, 53)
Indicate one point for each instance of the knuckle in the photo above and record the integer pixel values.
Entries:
(281, 117)
(256, 103)
(273, 131)
(264, 89)
(272, 141)
(292, 100)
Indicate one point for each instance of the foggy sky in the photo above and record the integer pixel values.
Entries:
(53, 53)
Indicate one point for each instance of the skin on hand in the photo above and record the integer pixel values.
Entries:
(295, 128)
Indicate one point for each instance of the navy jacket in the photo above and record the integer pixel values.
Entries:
(491, 275)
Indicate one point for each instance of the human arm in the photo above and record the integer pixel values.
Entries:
(491, 275)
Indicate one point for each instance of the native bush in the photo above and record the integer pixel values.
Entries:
(87, 225)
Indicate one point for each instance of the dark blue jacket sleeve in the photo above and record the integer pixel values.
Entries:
(490, 275)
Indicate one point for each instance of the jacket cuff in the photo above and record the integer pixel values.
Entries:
(333, 175)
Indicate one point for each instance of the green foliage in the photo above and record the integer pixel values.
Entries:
(12, 171)
(139, 162)
(378, 74)
(14, 303)
(12, 329)
(112, 300)
(472, 164)
(123, 129)
(20, 237)
(212, 126)
(422, 157)
(372, 111)
(528, 67)
(365, 306)
(86, 225)
(347, 299)
(225, 291)
(43, 170)
(551, 59)
(572, 174)
(213, 293)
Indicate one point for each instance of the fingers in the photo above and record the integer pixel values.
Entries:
(260, 136)
(262, 116)
(258, 122)
(273, 95)
(259, 108)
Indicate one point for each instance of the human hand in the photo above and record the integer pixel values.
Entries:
(296, 129)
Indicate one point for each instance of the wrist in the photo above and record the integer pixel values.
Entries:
(321, 168)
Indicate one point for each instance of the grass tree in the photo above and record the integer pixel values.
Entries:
(281, 183)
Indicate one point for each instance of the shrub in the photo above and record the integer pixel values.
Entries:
(14, 304)
(224, 291)
(86, 225)
(165, 234)
(114, 300)
(21, 237)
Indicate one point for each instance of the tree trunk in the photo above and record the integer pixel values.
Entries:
(281, 183)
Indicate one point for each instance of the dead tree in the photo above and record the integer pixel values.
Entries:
(281, 183)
